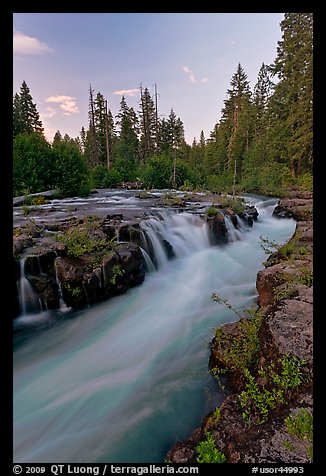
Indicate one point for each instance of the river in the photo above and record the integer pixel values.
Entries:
(123, 380)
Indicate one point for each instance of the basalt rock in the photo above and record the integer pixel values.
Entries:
(249, 215)
(300, 209)
(218, 227)
(101, 273)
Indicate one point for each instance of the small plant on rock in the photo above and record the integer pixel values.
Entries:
(300, 426)
(207, 451)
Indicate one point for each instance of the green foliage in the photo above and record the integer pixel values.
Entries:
(217, 414)
(33, 164)
(207, 451)
(72, 174)
(214, 418)
(211, 211)
(240, 352)
(79, 242)
(127, 169)
(38, 200)
(172, 200)
(276, 382)
(219, 183)
(101, 177)
(269, 178)
(285, 251)
(26, 210)
(236, 204)
(306, 182)
(288, 289)
(292, 101)
(117, 271)
(73, 291)
(157, 172)
(300, 426)
(26, 118)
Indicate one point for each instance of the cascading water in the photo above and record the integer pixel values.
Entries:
(62, 304)
(124, 379)
(29, 301)
(183, 233)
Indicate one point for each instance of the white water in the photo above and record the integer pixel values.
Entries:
(123, 380)
(29, 301)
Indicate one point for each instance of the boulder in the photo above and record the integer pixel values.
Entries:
(218, 228)
(300, 209)
(288, 329)
(269, 279)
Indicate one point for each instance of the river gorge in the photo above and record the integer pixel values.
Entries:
(123, 379)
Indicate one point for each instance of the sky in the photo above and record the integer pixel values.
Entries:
(191, 57)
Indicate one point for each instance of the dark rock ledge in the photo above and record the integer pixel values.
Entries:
(53, 272)
(286, 303)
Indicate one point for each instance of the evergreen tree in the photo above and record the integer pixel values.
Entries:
(57, 137)
(104, 129)
(231, 137)
(263, 91)
(202, 141)
(171, 134)
(91, 142)
(71, 172)
(128, 143)
(33, 164)
(26, 118)
(147, 125)
(292, 102)
(83, 139)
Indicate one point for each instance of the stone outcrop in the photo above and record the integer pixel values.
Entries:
(286, 303)
(52, 270)
(218, 227)
(301, 209)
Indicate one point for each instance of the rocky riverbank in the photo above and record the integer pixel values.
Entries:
(267, 360)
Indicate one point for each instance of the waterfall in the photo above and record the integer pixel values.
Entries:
(62, 304)
(29, 301)
(234, 234)
(173, 234)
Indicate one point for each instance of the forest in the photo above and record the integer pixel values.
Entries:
(262, 143)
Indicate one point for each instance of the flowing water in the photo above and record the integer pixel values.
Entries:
(123, 380)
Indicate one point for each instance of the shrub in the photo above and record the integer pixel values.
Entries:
(72, 174)
(211, 211)
(78, 242)
(300, 426)
(306, 182)
(207, 451)
(257, 400)
(242, 352)
(236, 204)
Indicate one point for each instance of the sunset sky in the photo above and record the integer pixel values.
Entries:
(190, 56)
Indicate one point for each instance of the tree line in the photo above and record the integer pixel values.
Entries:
(262, 142)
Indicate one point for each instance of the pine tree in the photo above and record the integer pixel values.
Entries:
(171, 134)
(82, 139)
(231, 137)
(202, 141)
(26, 118)
(128, 143)
(147, 125)
(104, 127)
(57, 137)
(292, 102)
(263, 91)
(91, 142)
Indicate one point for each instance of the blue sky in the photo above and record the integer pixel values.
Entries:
(190, 56)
